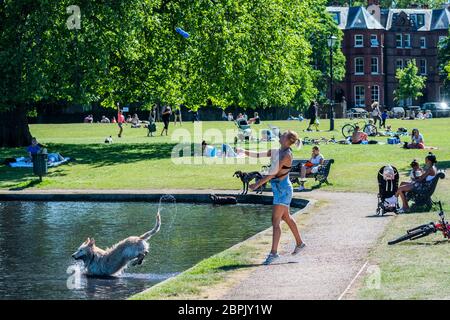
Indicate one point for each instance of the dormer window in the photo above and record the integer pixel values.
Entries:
(420, 20)
(359, 40)
(336, 17)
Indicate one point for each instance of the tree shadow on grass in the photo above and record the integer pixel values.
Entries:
(94, 155)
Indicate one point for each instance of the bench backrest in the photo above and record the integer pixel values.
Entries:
(439, 175)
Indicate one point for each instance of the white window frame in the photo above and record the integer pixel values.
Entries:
(424, 71)
(398, 39)
(407, 40)
(358, 101)
(374, 37)
(359, 38)
(356, 66)
(423, 42)
(375, 97)
(372, 59)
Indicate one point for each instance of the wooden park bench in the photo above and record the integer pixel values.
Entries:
(423, 198)
(321, 175)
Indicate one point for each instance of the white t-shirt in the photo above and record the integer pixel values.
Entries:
(316, 160)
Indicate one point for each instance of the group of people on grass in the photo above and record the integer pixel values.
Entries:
(242, 116)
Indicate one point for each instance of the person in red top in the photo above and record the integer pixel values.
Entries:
(120, 121)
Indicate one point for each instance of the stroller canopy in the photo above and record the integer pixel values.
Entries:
(387, 187)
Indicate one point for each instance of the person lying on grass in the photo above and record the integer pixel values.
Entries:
(421, 184)
(358, 136)
(312, 166)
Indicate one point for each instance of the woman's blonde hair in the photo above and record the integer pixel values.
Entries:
(293, 137)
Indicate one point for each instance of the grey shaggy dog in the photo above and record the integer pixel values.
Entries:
(106, 263)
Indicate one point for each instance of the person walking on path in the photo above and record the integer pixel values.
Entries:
(120, 121)
(281, 163)
(166, 119)
(313, 112)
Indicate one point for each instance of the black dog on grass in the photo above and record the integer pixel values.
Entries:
(247, 177)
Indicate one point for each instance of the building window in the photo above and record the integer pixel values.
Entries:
(359, 40)
(423, 42)
(359, 96)
(407, 61)
(375, 93)
(420, 20)
(359, 66)
(399, 64)
(423, 66)
(374, 40)
(374, 65)
(441, 40)
(407, 40)
(336, 17)
(398, 40)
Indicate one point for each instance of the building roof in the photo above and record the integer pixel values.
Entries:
(355, 18)
(360, 18)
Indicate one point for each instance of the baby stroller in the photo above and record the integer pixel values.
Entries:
(245, 132)
(388, 178)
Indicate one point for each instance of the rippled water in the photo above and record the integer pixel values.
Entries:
(38, 238)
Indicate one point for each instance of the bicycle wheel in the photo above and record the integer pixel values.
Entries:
(414, 234)
(347, 130)
(370, 130)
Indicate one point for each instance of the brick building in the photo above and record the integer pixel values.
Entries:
(378, 41)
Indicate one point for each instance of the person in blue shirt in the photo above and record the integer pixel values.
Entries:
(34, 148)
(384, 116)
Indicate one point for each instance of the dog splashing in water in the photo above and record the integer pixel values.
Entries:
(106, 263)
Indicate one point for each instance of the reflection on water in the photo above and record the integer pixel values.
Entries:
(37, 239)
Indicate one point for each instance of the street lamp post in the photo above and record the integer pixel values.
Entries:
(331, 43)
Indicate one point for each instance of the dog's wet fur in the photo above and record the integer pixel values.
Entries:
(109, 262)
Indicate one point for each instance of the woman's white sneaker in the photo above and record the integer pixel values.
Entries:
(299, 248)
(271, 258)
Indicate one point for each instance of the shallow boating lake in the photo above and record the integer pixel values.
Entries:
(38, 238)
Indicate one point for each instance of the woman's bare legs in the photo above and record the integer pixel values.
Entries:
(401, 193)
(277, 214)
(293, 226)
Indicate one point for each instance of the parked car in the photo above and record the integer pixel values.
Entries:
(357, 113)
(438, 109)
(398, 112)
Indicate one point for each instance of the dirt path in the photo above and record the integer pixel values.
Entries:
(339, 236)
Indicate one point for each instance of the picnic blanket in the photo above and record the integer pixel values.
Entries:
(21, 162)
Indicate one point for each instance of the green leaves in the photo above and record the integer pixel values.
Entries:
(250, 53)
(410, 84)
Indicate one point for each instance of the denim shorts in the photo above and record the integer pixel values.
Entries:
(282, 191)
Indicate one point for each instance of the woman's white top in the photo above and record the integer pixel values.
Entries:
(316, 160)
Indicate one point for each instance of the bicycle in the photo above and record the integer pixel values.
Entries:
(368, 128)
(426, 229)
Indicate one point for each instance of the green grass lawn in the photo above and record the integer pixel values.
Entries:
(410, 270)
(140, 162)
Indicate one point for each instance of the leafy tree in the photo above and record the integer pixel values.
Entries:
(251, 53)
(410, 84)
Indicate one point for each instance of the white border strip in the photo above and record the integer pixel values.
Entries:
(351, 282)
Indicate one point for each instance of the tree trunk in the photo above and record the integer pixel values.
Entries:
(14, 130)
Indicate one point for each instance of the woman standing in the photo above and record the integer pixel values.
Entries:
(166, 119)
(177, 116)
(376, 114)
(281, 162)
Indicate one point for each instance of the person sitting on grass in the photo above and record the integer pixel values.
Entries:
(255, 119)
(312, 166)
(421, 184)
(358, 136)
(89, 119)
(33, 149)
(135, 122)
(105, 120)
(417, 141)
